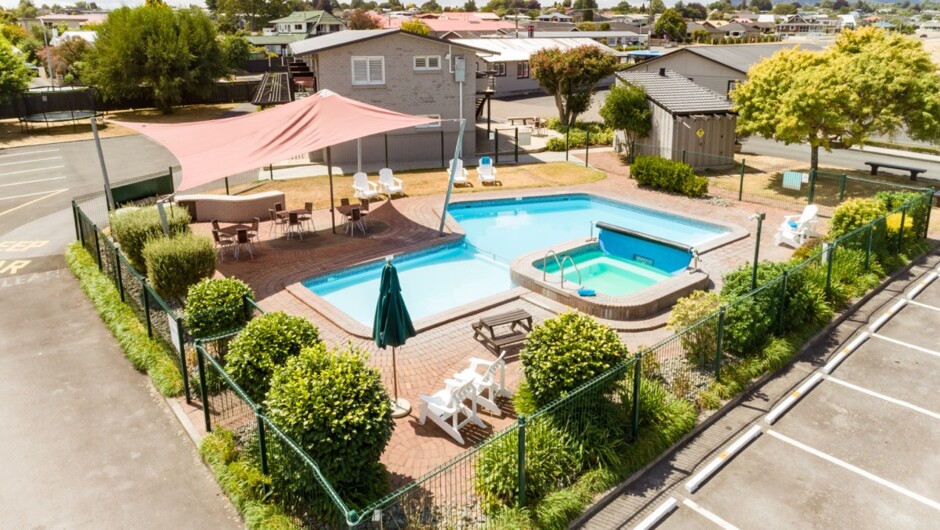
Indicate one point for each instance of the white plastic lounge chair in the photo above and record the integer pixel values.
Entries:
(490, 384)
(388, 184)
(796, 229)
(460, 179)
(364, 188)
(447, 404)
(486, 171)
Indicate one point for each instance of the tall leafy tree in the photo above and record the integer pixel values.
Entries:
(626, 109)
(361, 19)
(761, 5)
(14, 76)
(470, 6)
(256, 13)
(868, 83)
(570, 76)
(156, 51)
(670, 24)
(416, 26)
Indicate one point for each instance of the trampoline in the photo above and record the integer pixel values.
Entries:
(58, 116)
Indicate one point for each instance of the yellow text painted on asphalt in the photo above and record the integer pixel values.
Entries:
(13, 265)
(21, 246)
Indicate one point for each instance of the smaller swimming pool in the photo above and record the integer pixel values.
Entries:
(609, 274)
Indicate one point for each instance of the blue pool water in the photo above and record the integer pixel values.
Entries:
(497, 232)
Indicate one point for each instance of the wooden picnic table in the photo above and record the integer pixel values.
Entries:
(485, 331)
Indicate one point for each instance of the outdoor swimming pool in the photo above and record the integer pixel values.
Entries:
(609, 274)
(497, 231)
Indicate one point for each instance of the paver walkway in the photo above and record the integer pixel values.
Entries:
(83, 441)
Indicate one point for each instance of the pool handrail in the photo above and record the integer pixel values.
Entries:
(565, 258)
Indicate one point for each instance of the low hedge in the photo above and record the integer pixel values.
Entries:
(668, 175)
(146, 354)
(216, 306)
(133, 227)
(177, 263)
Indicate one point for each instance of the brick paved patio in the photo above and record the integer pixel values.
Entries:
(410, 223)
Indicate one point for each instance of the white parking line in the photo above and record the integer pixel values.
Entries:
(857, 470)
(709, 515)
(31, 153)
(31, 161)
(30, 170)
(24, 205)
(906, 345)
(31, 181)
(889, 399)
(925, 306)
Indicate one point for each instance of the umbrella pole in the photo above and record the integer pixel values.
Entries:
(329, 171)
(400, 407)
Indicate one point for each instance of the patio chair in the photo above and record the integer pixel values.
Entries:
(364, 211)
(308, 217)
(253, 231)
(490, 384)
(389, 184)
(276, 222)
(460, 178)
(294, 225)
(215, 225)
(485, 171)
(242, 239)
(278, 207)
(222, 242)
(796, 229)
(363, 187)
(355, 221)
(444, 406)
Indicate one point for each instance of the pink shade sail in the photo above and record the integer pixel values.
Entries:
(215, 149)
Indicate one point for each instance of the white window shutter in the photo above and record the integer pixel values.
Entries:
(421, 63)
(360, 75)
(434, 62)
(377, 70)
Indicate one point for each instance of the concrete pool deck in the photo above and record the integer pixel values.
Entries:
(410, 223)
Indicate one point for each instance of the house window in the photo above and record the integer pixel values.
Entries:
(500, 69)
(427, 62)
(732, 85)
(522, 70)
(298, 27)
(368, 70)
(435, 125)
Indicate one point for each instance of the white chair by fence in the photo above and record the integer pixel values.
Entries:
(485, 170)
(460, 178)
(490, 384)
(389, 184)
(363, 187)
(444, 406)
(796, 229)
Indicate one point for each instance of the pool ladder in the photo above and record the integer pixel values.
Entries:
(561, 266)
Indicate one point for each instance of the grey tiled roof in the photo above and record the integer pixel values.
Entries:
(742, 57)
(677, 94)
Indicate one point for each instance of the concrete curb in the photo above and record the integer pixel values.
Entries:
(606, 498)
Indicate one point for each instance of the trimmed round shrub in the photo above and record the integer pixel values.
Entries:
(854, 213)
(338, 410)
(567, 351)
(265, 343)
(177, 263)
(133, 227)
(216, 306)
(668, 175)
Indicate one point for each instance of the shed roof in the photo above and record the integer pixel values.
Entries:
(504, 50)
(676, 94)
(740, 57)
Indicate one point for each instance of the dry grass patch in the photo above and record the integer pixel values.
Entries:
(12, 135)
(431, 182)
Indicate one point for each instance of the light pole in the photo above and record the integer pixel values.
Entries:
(759, 216)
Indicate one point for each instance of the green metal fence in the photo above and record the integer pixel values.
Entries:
(461, 493)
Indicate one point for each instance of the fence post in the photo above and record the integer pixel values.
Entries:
(842, 189)
(203, 393)
(97, 247)
(901, 228)
(517, 145)
(262, 445)
(246, 308)
(587, 147)
(443, 153)
(683, 156)
(146, 303)
(270, 171)
(631, 157)
(928, 198)
(496, 154)
(783, 301)
(120, 279)
(567, 132)
(81, 227)
(521, 464)
(829, 260)
(386, 149)
(182, 338)
(227, 192)
(741, 182)
(871, 228)
(720, 341)
(78, 234)
(812, 185)
(637, 370)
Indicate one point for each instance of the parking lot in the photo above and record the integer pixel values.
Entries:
(853, 442)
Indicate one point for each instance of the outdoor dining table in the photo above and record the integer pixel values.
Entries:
(232, 230)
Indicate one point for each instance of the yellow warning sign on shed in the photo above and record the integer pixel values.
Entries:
(700, 133)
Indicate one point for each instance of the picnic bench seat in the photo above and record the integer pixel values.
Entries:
(914, 171)
(483, 329)
(512, 121)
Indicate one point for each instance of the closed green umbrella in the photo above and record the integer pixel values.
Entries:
(392, 326)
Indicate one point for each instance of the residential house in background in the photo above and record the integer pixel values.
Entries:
(455, 25)
(295, 27)
(717, 68)
(691, 124)
(607, 38)
(798, 25)
(508, 59)
(403, 72)
(73, 22)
